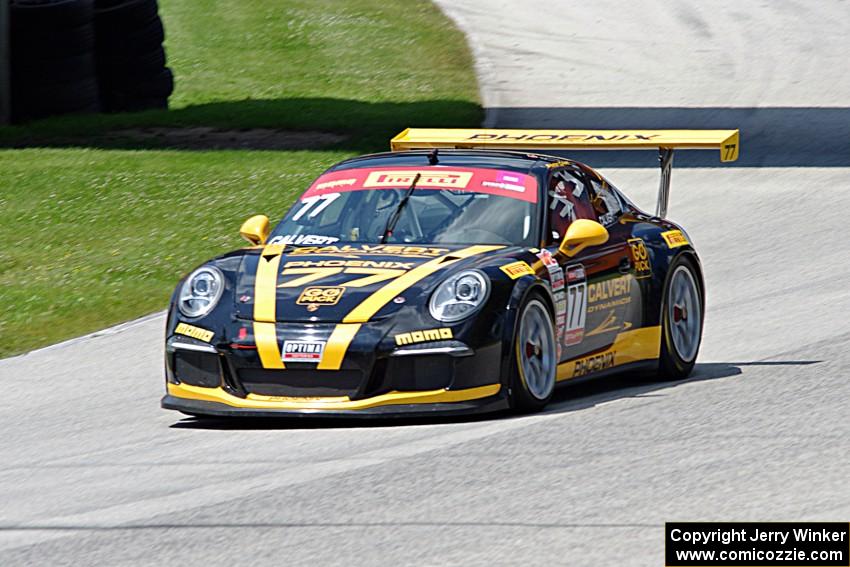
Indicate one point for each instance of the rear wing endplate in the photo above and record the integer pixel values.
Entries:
(665, 141)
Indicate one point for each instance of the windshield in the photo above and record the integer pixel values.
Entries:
(449, 205)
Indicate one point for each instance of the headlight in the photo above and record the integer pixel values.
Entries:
(201, 291)
(459, 296)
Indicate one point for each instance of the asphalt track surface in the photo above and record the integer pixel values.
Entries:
(93, 472)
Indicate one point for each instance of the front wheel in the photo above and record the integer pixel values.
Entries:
(534, 363)
(681, 321)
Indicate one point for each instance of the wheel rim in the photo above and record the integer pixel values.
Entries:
(684, 313)
(536, 349)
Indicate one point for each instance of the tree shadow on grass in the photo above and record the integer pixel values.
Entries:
(364, 126)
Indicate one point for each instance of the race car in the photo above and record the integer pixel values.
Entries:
(461, 272)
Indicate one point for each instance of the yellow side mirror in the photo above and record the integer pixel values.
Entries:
(256, 229)
(581, 234)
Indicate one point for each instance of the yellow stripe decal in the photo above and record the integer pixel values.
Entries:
(337, 345)
(344, 333)
(254, 401)
(629, 346)
(265, 306)
(374, 302)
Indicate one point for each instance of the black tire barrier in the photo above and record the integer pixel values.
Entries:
(130, 61)
(85, 56)
(44, 16)
(39, 45)
(134, 95)
(52, 65)
(116, 15)
(79, 96)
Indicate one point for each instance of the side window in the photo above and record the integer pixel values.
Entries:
(606, 203)
(568, 200)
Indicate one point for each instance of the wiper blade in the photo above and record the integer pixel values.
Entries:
(393, 220)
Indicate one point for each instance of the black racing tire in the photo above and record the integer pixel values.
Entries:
(46, 16)
(54, 71)
(41, 46)
(152, 93)
(529, 394)
(124, 15)
(678, 357)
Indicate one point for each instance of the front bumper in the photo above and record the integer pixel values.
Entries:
(374, 377)
(196, 400)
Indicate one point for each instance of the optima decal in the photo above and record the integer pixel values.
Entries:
(423, 336)
(516, 270)
(674, 238)
(194, 332)
(303, 351)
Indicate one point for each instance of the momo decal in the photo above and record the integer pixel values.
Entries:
(423, 336)
(303, 351)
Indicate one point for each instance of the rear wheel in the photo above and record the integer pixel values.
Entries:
(534, 358)
(681, 321)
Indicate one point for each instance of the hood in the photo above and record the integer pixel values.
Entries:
(348, 282)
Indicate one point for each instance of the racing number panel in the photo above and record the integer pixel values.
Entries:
(601, 293)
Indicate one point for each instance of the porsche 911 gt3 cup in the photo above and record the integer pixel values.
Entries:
(458, 273)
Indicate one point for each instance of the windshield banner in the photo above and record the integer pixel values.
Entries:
(461, 179)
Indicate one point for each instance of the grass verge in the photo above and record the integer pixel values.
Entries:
(96, 230)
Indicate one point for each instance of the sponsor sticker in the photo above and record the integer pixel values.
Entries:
(426, 335)
(674, 238)
(516, 270)
(303, 351)
(576, 305)
(640, 256)
(371, 250)
(303, 239)
(503, 183)
(195, 332)
(593, 363)
(320, 295)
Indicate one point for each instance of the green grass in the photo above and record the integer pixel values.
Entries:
(96, 231)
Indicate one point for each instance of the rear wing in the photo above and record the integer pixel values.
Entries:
(665, 141)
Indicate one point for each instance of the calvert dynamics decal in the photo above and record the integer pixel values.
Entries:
(609, 294)
(353, 251)
(474, 180)
(195, 332)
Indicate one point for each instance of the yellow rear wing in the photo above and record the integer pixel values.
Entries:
(665, 141)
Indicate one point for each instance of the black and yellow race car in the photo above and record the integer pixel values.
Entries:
(459, 273)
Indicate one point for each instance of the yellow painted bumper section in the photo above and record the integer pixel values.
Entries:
(254, 401)
(629, 346)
